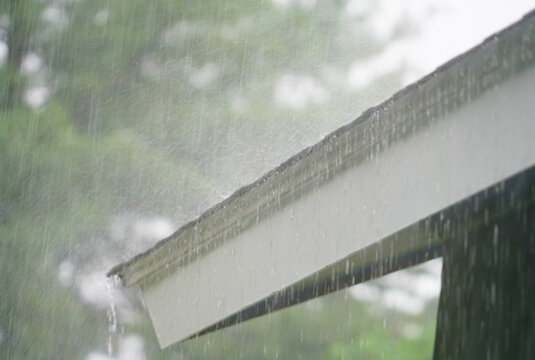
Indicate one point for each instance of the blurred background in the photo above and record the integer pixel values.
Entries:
(120, 120)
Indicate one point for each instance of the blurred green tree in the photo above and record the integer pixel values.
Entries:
(145, 103)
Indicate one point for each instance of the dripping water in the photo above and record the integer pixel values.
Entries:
(111, 313)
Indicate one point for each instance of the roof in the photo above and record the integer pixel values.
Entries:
(306, 228)
(448, 87)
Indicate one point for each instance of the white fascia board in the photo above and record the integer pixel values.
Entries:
(465, 127)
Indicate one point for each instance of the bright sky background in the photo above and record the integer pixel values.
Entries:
(446, 28)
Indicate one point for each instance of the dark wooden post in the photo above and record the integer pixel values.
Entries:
(487, 304)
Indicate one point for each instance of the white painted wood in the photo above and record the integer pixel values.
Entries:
(469, 149)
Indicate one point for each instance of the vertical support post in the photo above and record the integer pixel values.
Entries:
(487, 303)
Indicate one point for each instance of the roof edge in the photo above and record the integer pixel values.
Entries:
(504, 53)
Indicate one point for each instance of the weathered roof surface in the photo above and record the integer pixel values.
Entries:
(459, 81)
